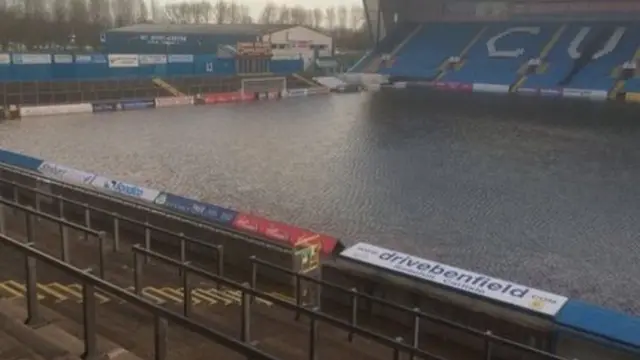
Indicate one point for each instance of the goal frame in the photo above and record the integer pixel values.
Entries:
(257, 80)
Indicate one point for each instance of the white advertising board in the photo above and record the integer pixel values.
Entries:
(461, 280)
(122, 188)
(152, 59)
(123, 60)
(491, 88)
(66, 174)
(174, 101)
(28, 111)
(584, 94)
(5, 59)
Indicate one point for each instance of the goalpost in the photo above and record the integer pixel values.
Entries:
(264, 85)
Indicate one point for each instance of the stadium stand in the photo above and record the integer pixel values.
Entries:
(533, 55)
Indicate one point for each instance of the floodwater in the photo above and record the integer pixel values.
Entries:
(540, 192)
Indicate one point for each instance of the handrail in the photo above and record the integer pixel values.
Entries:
(90, 281)
(310, 313)
(167, 213)
(40, 214)
(487, 336)
(115, 215)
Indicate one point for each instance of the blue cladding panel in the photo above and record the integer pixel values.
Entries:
(19, 160)
(286, 66)
(608, 324)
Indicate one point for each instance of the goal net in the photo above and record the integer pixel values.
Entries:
(264, 85)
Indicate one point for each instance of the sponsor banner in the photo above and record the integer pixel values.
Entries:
(152, 59)
(490, 88)
(488, 287)
(27, 111)
(63, 59)
(633, 97)
(196, 208)
(123, 60)
(174, 101)
(296, 92)
(254, 49)
(527, 91)
(453, 86)
(19, 160)
(105, 107)
(137, 104)
(318, 91)
(91, 59)
(122, 188)
(550, 92)
(31, 59)
(5, 59)
(180, 59)
(283, 233)
(584, 94)
(221, 98)
(66, 174)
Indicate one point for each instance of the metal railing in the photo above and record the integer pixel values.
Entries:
(91, 284)
(218, 250)
(490, 340)
(250, 293)
(130, 203)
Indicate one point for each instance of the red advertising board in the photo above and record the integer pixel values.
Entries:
(221, 98)
(283, 233)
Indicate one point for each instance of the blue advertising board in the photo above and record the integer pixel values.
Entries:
(101, 107)
(196, 208)
(137, 104)
(19, 160)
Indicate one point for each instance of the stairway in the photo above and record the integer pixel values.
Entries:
(542, 56)
(620, 83)
(443, 67)
(166, 86)
(374, 65)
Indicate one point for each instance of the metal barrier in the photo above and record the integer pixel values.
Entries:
(91, 284)
(249, 292)
(117, 218)
(167, 213)
(489, 339)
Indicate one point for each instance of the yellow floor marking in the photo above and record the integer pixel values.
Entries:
(200, 294)
(52, 293)
(73, 292)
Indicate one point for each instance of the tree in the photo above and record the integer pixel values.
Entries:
(269, 14)
(331, 17)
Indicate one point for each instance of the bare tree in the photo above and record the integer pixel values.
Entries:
(143, 11)
(124, 12)
(342, 17)
(299, 16)
(318, 18)
(284, 15)
(356, 17)
(331, 17)
(221, 11)
(269, 14)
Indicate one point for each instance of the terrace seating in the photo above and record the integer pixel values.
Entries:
(502, 50)
(580, 55)
(422, 56)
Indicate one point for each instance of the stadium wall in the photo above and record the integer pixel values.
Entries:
(52, 67)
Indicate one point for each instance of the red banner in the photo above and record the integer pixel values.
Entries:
(283, 233)
(221, 98)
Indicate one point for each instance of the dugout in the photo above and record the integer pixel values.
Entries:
(472, 315)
